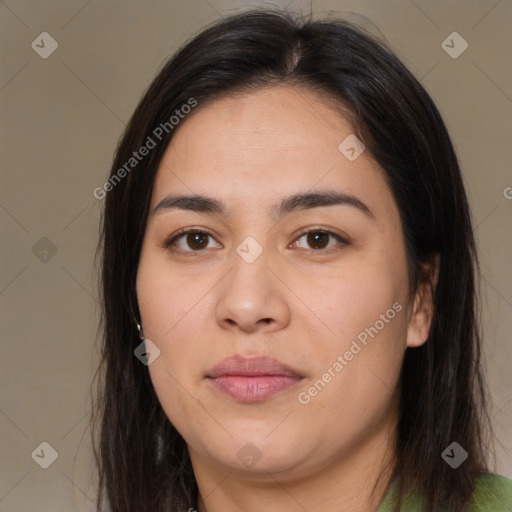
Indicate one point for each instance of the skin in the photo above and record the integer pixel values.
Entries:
(297, 302)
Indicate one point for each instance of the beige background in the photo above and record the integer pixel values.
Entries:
(61, 119)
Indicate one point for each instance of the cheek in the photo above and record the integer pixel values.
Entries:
(352, 300)
(167, 296)
(360, 331)
(174, 312)
(357, 369)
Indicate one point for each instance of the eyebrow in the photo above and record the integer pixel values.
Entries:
(297, 202)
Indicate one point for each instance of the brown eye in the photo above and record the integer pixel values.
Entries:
(319, 240)
(197, 240)
(190, 241)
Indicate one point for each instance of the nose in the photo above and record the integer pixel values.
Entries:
(251, 298)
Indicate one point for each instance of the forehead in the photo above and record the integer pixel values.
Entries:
(267, 143)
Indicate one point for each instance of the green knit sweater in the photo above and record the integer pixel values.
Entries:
(493, 493)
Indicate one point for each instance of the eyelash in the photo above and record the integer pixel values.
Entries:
(176, 236)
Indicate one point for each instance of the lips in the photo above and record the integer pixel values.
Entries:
(252, 379)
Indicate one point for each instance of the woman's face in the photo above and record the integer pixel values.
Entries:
(280, 351)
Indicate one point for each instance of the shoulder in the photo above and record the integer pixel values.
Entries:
(493, 493)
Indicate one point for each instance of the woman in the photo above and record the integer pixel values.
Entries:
(287, 231)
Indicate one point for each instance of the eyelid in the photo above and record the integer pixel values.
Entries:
(324, 229)
(183, 231)
(342, 241)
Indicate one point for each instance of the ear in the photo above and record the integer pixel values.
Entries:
(423, 308)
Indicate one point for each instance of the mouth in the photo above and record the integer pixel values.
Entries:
(252, 379)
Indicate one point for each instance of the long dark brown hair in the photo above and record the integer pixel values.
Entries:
(143, 461)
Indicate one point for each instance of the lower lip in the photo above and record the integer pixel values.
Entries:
(253, 389)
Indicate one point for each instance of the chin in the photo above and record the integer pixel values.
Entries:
(257, 453)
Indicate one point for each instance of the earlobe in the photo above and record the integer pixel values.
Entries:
(423, 308)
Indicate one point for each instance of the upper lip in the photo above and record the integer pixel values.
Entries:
(251, 367)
